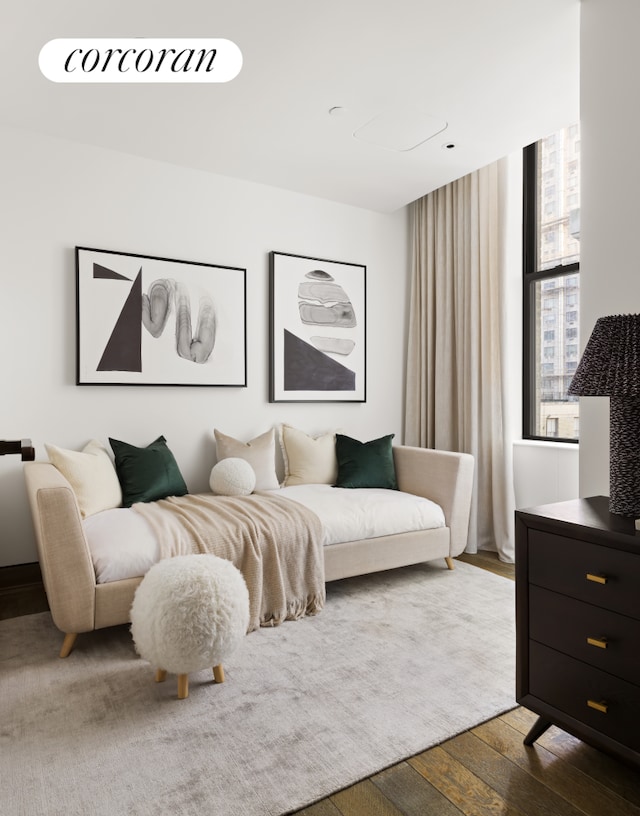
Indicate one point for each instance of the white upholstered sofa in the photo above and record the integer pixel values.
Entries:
(79, 603)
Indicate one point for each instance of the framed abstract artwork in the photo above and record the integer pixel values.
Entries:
(143, 320)
(318, 329)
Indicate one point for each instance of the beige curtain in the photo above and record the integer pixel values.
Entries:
(455, 396)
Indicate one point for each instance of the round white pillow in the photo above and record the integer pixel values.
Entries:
(232, 477)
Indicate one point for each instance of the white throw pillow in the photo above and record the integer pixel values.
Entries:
(260, 453)
(91, 474)
(308, 459)
(232, 477)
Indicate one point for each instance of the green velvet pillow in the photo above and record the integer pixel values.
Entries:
(147, 474)
(365, 464)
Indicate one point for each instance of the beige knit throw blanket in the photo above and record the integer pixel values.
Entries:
(276, 544)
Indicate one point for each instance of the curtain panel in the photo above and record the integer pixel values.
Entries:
(455, 389)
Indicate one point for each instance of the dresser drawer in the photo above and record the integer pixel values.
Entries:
(565, 624)
(563, 564)
(568, 684)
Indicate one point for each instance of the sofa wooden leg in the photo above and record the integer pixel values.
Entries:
(161, 675)
(218, 674)
(449, 561)
(183, 686)
(68, 643)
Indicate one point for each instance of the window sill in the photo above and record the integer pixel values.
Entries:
(544, 443)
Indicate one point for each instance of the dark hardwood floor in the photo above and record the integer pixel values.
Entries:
(484, 771)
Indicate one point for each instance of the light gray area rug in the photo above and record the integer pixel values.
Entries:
(395, 663)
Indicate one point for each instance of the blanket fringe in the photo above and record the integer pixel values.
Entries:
(296, 609)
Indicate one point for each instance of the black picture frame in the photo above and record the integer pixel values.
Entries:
(318, 329)
(148, 320)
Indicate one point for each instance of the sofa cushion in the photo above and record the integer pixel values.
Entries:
(365, 513)
(365, 464)
(308, 459)
(147, 474)
(123, 545)
(91, 474)
(260, 453)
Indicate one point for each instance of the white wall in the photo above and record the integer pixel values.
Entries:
(609, 274)
(56, 195)
(544, 472)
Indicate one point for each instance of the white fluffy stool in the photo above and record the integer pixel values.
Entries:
(189, 613)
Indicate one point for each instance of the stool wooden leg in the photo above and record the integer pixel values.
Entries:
(449, 561)
(68, 643)
(218, 674)
(161, 675)
(183, 686)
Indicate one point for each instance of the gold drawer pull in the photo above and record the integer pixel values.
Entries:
(602, 706)
(600, 642)
(597, 579)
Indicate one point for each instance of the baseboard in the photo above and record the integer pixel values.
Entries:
(21, 591)
(18, 575)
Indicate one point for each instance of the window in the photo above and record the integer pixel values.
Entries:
(551, 283)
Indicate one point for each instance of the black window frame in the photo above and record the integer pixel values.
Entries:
(531, 275)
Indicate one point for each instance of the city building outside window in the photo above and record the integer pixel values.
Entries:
(551, 294)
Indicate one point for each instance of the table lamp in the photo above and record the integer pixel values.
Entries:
(610, 367)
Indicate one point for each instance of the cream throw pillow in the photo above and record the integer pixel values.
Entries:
(260, 453)
(91, 474)
(308, 459)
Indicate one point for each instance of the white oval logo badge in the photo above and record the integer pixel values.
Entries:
(137, 59)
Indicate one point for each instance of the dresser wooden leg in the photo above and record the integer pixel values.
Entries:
(449, 561)
(183, 686)
(68, 643)
(537, 730)
(218, 674)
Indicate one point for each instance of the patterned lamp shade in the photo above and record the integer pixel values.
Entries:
(610, 366)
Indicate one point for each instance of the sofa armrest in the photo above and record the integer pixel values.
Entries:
(65, 561)
(446, 478)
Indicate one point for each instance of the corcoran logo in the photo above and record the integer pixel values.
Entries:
(140, 60)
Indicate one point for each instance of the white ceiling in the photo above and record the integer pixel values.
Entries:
(499, 73)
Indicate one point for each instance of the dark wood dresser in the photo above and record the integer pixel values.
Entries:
(578, 623)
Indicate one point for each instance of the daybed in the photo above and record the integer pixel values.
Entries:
(80, 604)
